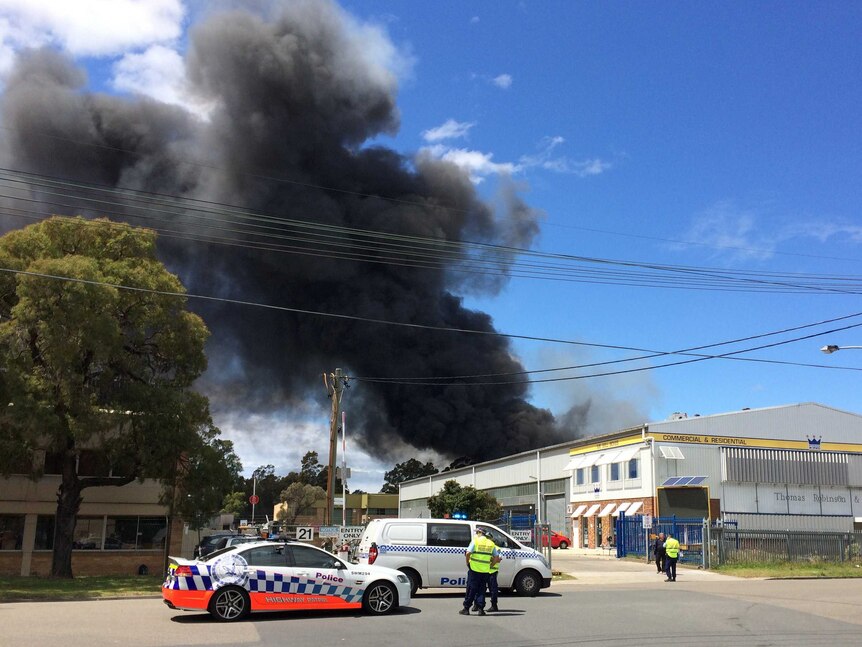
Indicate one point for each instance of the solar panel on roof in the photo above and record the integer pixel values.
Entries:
(697, 480)
(670, 481)
(685, 480)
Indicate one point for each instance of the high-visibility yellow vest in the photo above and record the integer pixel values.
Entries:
(480, 558)
(671, 547)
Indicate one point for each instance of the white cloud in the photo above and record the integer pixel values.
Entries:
(752, 234)
(158, 72)
(273, 439)
(503, 81)
(90, 27)
(545, 159)
(450, 130)
(477, 164)
(480, 165)
(731, 230)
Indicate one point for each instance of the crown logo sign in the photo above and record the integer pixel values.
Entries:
(814, 442)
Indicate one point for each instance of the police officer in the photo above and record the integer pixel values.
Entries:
(671, 550)
(493, 587)
(481, 553)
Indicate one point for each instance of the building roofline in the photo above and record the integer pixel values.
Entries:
(577, 442)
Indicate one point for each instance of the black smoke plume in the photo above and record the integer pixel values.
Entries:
(294, 104)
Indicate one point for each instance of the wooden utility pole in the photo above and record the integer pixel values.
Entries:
(335, 388)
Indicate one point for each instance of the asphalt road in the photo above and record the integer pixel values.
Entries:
(615, 606)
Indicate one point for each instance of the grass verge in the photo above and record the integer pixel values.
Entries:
(17, 589)
(793, 569)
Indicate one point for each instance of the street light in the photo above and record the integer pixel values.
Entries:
(831, 348)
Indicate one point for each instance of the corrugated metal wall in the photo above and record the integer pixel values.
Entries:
(790, 522)
(749, 465)
(414, 508)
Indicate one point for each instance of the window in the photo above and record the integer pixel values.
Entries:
(304, 556)
(594, 474)
(615, 471)
(11, 531)
(44, 533)
(449, 534)
(264, 556)
(499, 539)
(633, 468)
(579, 476)
(129, 533)
(88, 533)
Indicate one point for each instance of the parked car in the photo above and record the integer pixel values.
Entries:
(557, 541)
(208, 543)
(235, 540)
(270, 576)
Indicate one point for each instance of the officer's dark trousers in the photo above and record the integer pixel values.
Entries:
(493, 589)
(659, 563)
(671, 568)
(476, 585)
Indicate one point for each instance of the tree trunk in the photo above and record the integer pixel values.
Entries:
(68, 504)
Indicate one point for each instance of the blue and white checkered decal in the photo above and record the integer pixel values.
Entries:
(266, 582)
(452, 550)
(199, 580)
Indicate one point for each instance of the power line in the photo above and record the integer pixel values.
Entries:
(394, 200)
(346, 243)
(185, 295)
(652, 354)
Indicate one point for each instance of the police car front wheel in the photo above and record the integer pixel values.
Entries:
(229, 603)
(380, 598)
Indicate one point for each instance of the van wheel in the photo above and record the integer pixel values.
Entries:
(380, 598)
(415, 579)
(528, 583)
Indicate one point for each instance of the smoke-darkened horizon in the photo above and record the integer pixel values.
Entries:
(294, 103)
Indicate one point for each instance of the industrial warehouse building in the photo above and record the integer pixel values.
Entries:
(795, 467)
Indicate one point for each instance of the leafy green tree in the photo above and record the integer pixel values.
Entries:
(299, 499)
(268, 488)
(234, 503)
(409, 469)
(476, 504)
(88, 365)
(205, 479)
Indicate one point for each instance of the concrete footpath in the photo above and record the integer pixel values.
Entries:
(604, 568)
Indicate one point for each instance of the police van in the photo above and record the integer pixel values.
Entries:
(431, 553)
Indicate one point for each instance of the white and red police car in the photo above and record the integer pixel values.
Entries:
(275, 576)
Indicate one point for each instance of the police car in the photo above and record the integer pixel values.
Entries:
(273, 576)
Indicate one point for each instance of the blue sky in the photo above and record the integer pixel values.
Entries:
(710, 135)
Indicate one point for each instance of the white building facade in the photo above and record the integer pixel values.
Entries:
(788, 467)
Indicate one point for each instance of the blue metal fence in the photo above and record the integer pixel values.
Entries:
(633, 539)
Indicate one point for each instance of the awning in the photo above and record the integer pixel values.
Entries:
(574, 464)
(608, 509)
(590, 459)
(592, 510)
(607, 458)
(633, 508)
(623, 508)
(671, 452)
(579, 510)
(628, 453)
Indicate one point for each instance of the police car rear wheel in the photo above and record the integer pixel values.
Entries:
(528, 583)
(229, 604)
(380, 598)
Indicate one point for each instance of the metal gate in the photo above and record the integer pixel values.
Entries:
(555, 513)
(634, 539)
